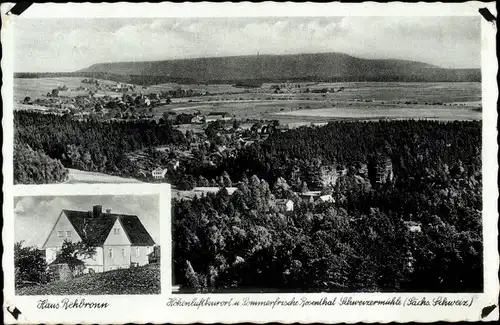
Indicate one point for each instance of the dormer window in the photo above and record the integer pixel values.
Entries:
(60, 234)
(116, 231)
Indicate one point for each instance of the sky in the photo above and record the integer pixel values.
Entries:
(36, 215)
(60, 45)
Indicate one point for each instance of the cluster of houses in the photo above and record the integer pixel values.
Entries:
(121, 87)
(182, 93)
(211, 117)
(213, 153)
(132, 106)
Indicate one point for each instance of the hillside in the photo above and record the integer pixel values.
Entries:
(140, 280)
(310, 67)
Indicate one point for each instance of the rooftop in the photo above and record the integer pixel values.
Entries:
(95, 229)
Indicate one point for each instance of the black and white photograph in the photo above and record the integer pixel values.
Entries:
(300, 162)
(305, 154)
(87, 245)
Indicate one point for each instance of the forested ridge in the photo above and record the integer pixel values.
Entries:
(257, 69)
(313, 67)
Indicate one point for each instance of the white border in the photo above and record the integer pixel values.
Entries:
(489, 69)
(154, 310)
(247, 9)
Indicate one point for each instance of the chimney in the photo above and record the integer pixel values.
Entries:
(97, 211)
(108, 211)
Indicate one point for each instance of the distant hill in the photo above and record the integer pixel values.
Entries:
(298, 67)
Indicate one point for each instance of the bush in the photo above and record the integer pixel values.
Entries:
(30, 266)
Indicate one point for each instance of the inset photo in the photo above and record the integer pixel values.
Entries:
(87, 245)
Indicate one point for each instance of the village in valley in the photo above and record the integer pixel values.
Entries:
(213, 137)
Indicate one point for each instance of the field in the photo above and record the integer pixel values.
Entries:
(211, 88)
(363, 100)
(143, 280)
(381, 112)
(39, 87)
(23, 107)
(76, 176)
(292, 104)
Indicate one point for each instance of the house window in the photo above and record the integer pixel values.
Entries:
(68, 233)
(60, 234)
(110, 253)
(116, 231)
(123, 252)
(137, 252)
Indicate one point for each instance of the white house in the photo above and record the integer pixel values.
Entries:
(326, 198)
(159, 173)
(174, 164)
(198, 119)
(213, 189)
(216, 117)
(285, 204)
(144, 101)
(310, 196)
(120, 240)
(413, 226)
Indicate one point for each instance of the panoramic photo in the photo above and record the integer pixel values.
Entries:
(314, 154)
(87, 245)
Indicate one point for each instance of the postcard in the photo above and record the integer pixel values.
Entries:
(250, 162)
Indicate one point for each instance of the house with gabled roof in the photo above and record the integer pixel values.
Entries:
(285, 204)
(121, 241)
(326, 198)
(159, 173)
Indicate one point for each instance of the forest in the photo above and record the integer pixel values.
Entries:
(413, 147)
(420, 230)
(406, 213)
(91, 145)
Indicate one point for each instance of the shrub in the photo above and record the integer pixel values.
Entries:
(30, 266)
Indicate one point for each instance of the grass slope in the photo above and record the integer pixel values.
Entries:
(143, 280)
(77, 176)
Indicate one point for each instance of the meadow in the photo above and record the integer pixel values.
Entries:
(362, 100)
(76, 176)
(39, 87)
